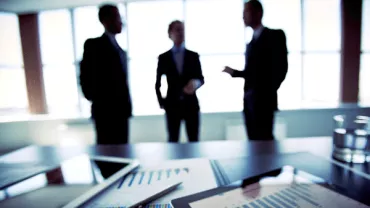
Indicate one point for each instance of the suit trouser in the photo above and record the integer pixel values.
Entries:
(111, 131)
(259, 123)
(174, 117)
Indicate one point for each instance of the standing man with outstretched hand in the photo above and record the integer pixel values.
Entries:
(265, 69)
(184, 76)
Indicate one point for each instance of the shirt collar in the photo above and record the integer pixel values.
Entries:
(181, 48)
(110, 35)
(257, 32)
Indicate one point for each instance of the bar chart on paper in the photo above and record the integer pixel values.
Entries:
(140, 182)
(195, 174)
(150, 177)
(302, 195)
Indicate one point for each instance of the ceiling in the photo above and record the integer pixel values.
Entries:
(29, 6)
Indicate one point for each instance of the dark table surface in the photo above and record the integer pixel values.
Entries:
(156, 152)
(262, 156)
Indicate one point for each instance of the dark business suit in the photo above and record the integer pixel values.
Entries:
(178, 105)
(265, 70)
(103, 79)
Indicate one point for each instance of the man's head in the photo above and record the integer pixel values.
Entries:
(110, 17)
(253, 12)
(176, 32)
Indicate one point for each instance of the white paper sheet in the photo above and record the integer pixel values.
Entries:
(199, 178)
(196, 176)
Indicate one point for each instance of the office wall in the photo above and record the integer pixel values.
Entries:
(217, 126)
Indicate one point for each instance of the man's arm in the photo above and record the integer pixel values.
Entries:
(126, 65)
(87, 70)
(198, 79)
(280, 64)
(234, 72)
(238, 73)
(158, 82)
(199, 74)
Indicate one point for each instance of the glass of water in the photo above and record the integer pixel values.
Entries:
(351, 138)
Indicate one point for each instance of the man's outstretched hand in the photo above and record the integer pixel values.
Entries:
(229, 70)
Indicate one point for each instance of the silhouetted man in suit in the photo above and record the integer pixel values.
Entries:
(103, 78)
(184, 76)
(265, 69)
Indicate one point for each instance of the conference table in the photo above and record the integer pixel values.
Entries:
(156, 152)
(241, 158)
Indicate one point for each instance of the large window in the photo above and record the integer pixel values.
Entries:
(86, 25)
(58, 62)
(321, 51)
(219, 37)
(147, 31)
(11, 67)
(313, 40)
(312, 28)
(321, 77)
(219, 30)
(365, 56)
(221, 93)
(290, 92)
(63, 34)
(147, 26)
(286, 15)
(366, 26)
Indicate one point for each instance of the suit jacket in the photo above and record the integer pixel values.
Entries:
(103, 77)
(265, 69)
(176, 81)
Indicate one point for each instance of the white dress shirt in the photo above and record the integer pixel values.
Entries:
(112, 38)
(178, 56)
(257, 32)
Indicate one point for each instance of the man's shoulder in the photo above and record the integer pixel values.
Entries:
(192, 53)
(94, 41)
(169, 52)
(165, 54)
(91, 42)
(275, 32)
